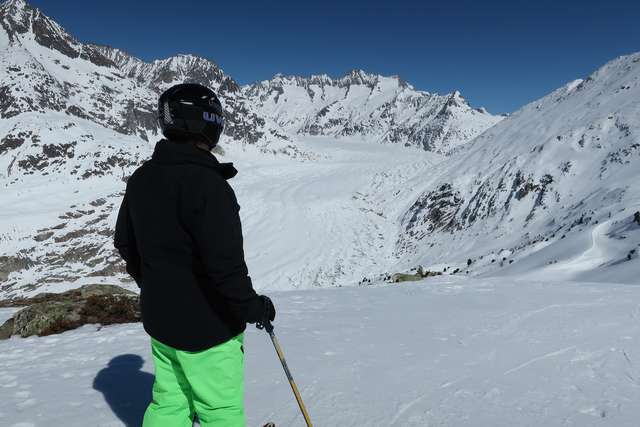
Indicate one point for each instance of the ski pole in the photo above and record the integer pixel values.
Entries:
(269, 328)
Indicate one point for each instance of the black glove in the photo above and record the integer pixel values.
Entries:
(263, 311)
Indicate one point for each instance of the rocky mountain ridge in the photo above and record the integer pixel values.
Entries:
(384, 109)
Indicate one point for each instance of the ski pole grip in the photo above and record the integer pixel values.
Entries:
(266, 325)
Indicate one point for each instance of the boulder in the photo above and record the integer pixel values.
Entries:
(71, 295)
(402, 277)
(419, 275)
(6, 329)
(48, 313)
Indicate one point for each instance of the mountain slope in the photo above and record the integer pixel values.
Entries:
(534, 188)
(46, 70)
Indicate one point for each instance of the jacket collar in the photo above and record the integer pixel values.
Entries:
(167, 152)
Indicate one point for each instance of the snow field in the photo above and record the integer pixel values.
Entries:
(441, 352)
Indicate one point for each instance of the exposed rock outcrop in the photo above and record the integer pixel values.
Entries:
(48, 313)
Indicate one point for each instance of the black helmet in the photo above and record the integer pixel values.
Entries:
(188, 111)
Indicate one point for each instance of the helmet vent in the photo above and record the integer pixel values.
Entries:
(167, 113)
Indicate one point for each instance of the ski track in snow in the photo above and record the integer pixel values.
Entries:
(446, 351)
(536, 359)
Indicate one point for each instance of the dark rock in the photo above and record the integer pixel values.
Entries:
(10, 142)
(43, 236)
(98, 202)
(6, 329)
(73, 294)
(48, 313)
(59, 150)
(436, 208)
(78, 112)
(402, 277)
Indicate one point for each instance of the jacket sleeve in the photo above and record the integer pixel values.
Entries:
(124, 240)
(215, 227)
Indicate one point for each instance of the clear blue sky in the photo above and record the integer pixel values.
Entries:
(500, 54)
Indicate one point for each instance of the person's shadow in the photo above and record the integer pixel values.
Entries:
(125, 388)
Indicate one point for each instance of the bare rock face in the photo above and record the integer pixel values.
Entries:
(47, 314)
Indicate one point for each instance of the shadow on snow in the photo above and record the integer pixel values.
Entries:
(125, 388)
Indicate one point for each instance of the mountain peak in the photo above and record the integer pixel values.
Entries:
(456, 100)
(17, 4)
(25, 24)
(16, 16)
(358, 76)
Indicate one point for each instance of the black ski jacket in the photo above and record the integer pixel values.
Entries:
(179, 232)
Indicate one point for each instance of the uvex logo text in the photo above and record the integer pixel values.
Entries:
(213, 117)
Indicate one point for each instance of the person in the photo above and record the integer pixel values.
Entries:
(179, 232)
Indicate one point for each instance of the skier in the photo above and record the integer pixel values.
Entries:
(179, 231)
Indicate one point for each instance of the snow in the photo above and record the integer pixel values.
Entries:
(313, 223)
(540, 329)
(443, 351)
(306, 223)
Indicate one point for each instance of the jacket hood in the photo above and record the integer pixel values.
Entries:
(167, 152)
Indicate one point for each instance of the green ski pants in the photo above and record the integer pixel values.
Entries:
(209, 383)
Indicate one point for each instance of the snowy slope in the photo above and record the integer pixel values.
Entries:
(459, 353)
(380, 108)
(553, 187)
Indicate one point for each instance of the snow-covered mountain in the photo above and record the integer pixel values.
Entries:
(103, 90)
(552, 187)
(379, 108)
(534, 206)
(45, 70)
